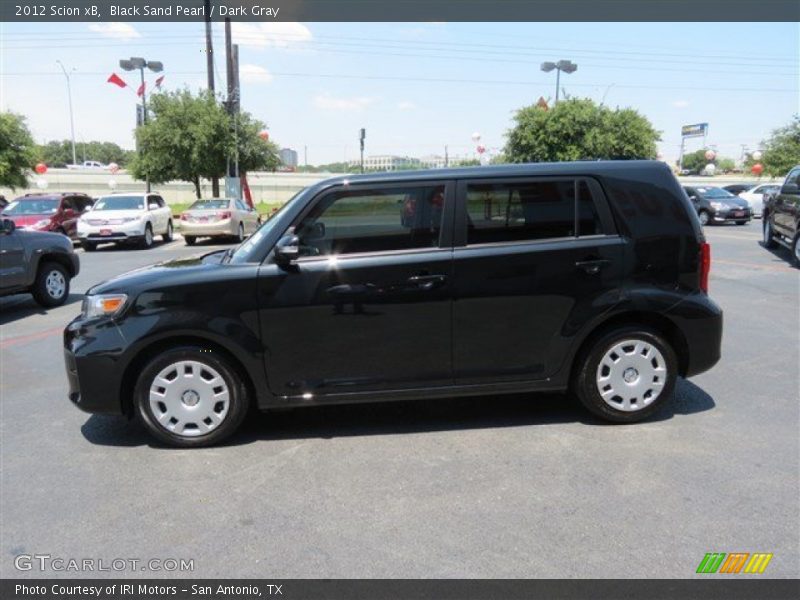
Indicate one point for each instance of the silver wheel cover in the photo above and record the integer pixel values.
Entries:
(631, 375)
(189, 398)
(55, 284)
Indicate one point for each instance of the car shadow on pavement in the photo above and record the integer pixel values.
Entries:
(780, 254)
(20, 306)
(391, 418)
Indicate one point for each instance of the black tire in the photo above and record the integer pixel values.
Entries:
(585, 384)
(89, 246)
(167, 237)
(742, 222)
(240, 233)
(44, 292)
(769, 240)
(189, 239)
(705, 217)
(795, 257)
(237, 397)
(147, 238)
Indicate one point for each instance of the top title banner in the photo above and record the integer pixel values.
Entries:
(399, 10)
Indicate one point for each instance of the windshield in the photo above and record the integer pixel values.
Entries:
(714, 192)
(212, 204)
(119, 203)
(242, 252)
(32, 206)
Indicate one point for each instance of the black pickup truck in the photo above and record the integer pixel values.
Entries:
(782, 216)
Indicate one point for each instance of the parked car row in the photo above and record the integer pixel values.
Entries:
(129, 218)
(782, 216)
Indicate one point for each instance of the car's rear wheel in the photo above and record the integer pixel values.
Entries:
(626, 374)
(51, 287)
(167, 237)
(769, 241)
(147, 238)
(704, 217)
(796, 251)
(189, 239)
(89, 246)
(240, 233)
(741, 222)
(190, 397)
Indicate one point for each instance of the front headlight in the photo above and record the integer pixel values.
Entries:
(103, 305)
(41, 224)
(719, 205)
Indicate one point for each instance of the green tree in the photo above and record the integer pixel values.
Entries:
(189, 137)
(17, 152)
(695, 161)
(58, 153)
(579, 129)
(782, 149)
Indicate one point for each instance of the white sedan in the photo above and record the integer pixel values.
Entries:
(131, 218)
(755, 196)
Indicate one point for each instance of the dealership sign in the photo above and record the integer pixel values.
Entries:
(694, 130)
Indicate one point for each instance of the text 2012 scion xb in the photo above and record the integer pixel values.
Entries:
(587, 276)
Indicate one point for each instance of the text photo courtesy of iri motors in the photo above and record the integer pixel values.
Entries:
(357, 300)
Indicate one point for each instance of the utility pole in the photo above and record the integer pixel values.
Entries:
(362, 136)
(446, 157)
(210, 75)
(71, 120)
(232, 105)
(305, 156)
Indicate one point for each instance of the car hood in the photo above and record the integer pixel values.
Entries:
(736, 201)
(44, 239)
(193, 269)
(111, 215)
(26, 220)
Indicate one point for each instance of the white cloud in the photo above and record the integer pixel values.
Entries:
(254, 74)
(270, 35)
(116, 30)
(406, 105)
(327, 102)
(680, 103)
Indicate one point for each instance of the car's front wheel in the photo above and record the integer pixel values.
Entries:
(704, 217)
(796, 251)
(769, 240)
(189, 239)
(190, 397)
(168, 234)
(626, 374)
(51, 287)
(147, 238)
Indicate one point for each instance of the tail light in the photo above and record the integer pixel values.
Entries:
(705, 265)
(226, 214)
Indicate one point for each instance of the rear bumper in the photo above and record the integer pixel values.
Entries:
(700, 321)
(208, 229)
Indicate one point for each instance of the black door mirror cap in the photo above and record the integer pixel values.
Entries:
(287, 250)
(8, 226)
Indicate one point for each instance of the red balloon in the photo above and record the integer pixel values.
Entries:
(264, 135)
(757, 169)
(41, 168)
(481, 149)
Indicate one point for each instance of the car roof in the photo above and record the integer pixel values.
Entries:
(582, 167)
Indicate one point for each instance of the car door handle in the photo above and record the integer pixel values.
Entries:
(592, 267)
(427, 282)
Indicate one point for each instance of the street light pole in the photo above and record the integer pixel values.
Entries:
(131, 64)
(563, 65)
(71, 119)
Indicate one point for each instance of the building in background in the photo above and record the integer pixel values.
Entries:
(288, 158)
(387, 162)
(434, 161)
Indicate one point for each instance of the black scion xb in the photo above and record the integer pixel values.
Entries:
(587, 276)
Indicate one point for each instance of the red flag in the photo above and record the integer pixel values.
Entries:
(159, 81)
(117, 80)
(140, 91)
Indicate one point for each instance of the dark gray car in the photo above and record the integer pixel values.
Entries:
(39, 263)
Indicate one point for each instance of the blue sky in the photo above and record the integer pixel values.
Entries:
(416, 87)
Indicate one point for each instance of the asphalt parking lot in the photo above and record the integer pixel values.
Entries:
(505, 487)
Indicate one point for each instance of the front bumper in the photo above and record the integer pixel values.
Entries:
(93, 360)
(132, 231)
(730, 215)
(226, 227)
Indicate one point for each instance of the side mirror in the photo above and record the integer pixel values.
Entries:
(790, 188)
(153, 206)
(693, 198)
(287, 250)
(8, 226)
